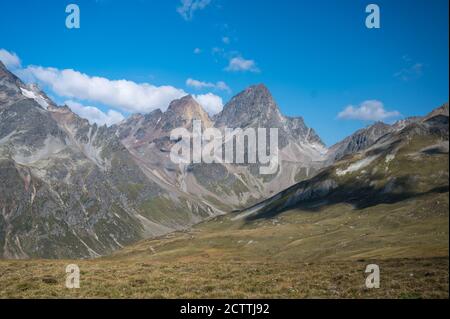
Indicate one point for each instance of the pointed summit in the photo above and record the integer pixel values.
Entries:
(360, 140)
(9, 85)
(260, 88)
(253, 106)
(187, 108)
(185, 104)
(182, 112)
(5, 74)
(187, 98)
(442, 110)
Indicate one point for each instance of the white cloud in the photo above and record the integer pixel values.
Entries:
(238, 64)
(223, 86)
(95, 115)
(199, 84)
(211, 103)
(226, 40)
(196, 84)
(188, 7)
(9, 59)
(371, 110)
(122, 94)
(197, 51)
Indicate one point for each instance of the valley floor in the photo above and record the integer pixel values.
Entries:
(302, 253)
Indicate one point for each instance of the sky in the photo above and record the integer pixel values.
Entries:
(318, 58)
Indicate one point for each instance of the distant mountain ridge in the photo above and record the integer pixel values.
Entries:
(366, 137)
(406, 161)
(75, 190)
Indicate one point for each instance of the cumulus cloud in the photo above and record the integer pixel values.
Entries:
(9, 59)
(122, 94)
(371, 110)
(199, 85)
(95, 115)
(211, 103)
(188, 7)
(239, 64)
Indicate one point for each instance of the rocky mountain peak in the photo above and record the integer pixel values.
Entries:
(183, 111)
(254, 106)
(66, 117)
(9, 85)
(185, 104)
(358, 141)
(442, 110)
(5, 74)
(259, 89)
(13, 89)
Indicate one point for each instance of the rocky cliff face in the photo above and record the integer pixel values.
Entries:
(228, 186)
(358, 141)
(71, 189)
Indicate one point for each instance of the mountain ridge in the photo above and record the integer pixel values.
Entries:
(72, 189)
(252, 108)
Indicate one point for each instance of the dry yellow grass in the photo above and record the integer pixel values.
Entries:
(400, 278)
(299, 254)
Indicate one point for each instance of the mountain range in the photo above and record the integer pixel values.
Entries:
(76, 190)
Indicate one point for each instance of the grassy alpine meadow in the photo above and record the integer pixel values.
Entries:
(296, 254)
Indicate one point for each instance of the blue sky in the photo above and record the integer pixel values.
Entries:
(316, 57)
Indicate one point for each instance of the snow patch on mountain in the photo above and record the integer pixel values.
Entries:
(356, 166)
(35, 96)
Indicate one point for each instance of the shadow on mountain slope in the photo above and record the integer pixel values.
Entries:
(365, 198)
(401, 166)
